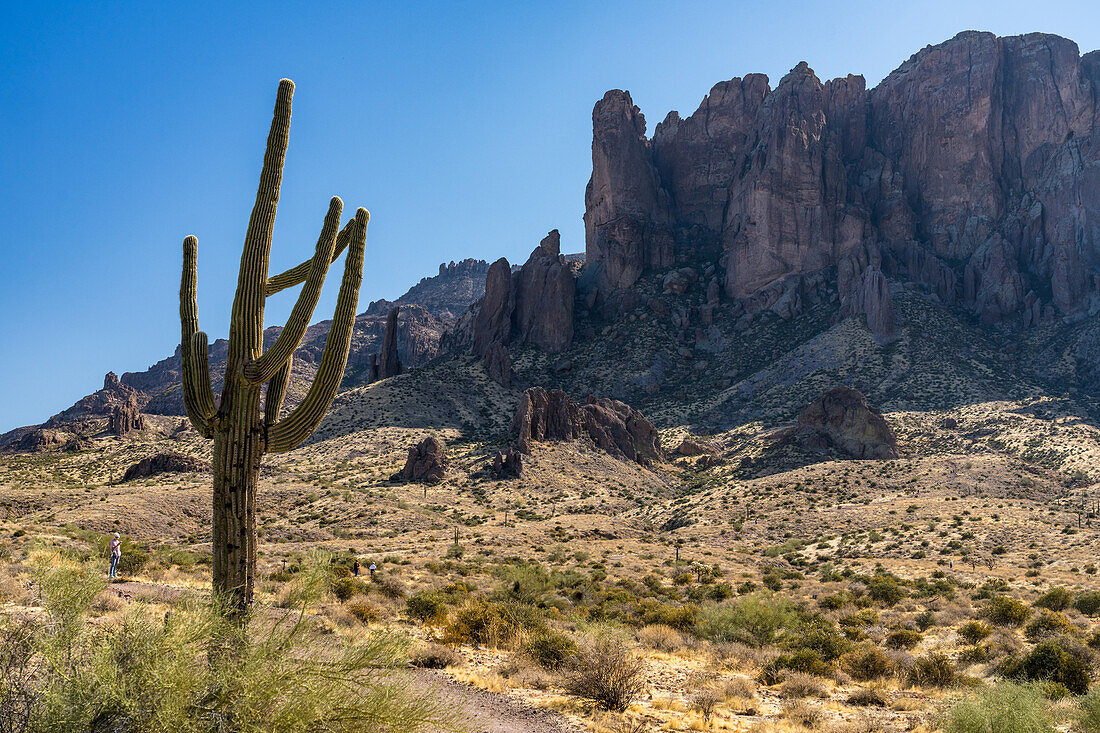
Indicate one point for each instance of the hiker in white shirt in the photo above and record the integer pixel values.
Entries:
(116, 555)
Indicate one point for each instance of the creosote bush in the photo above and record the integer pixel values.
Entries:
(933, 670)
(1006, 611)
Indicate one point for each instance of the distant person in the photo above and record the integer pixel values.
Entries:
(355, 568)
(372, 568)
(116, 555)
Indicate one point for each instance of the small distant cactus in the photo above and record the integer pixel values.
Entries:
(241, 433)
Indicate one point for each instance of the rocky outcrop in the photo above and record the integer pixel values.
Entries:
(162, 463)
(544, 291)
(427, 462)
(126, 417)
(613, 426)
(389, 363)
(533, 305)
(507, 464)
(843, 418)
(689, 447)
(626, 210)
(972, 170)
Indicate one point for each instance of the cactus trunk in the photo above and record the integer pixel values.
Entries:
(242, 433)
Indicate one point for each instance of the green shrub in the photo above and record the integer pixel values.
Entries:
(1006, 611)
(835, 602)
(678, 617)
(933, 670)
(347, 587)
(363, 611)
(1088, 712)
(1053, 660)
(488, 623)
(427, 604)
(1055, 599)
(925, 620)
(1048, 624)
(192, 670)
(903, 639)
(821, 636)
(549, 649)
(974, 631)
(804, 660)
(757, 620)
(1003, 708)
(867, 663)
(1088, 603)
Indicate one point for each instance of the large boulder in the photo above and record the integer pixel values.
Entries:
(162, 463)
(843, 417)
(427, 462)
(613, 426)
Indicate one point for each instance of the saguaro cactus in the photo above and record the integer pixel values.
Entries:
(241, 433)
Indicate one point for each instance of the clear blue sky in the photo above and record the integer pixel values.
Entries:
(464, 127)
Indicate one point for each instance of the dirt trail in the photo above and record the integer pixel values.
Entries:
(479, 711)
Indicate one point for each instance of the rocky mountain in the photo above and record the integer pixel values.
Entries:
(972, 170)
(425, 312)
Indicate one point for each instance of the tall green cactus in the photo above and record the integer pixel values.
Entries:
(241, 433)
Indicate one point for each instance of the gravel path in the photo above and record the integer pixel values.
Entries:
(479, 711)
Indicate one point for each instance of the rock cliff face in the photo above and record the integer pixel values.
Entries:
(126, 417)
(972, 169)
(389, 362)
(533, 305)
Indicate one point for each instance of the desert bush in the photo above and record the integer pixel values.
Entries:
(1094, 640)
(489, 623)
(192, 670)
(867, 663)
(1006, 611)
(1055, 599)
(1088, 603)
(1048, 624)
(660, 638)
(604, 672)
(803, 660)
(549, 648)
(434, 656)
(925, 620)
(756, 619)
(430, 604)
(933, 670)
(903, 639)
(1052, 660)
(363, 611)
(974, 631)
(820, 636)
(1004, 708)
(835, 602)
(389, 586)
(801, 712)
(1088, 712)
(866, 697)
(705, 701)
(677, 617)
(347, 587)
(798, 684)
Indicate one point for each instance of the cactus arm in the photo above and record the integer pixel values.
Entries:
(265, 367)
(198, 400)
(297, 426)
(276, 392)
(300, 272)
(246, 323)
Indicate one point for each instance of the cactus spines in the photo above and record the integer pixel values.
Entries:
(241, 435)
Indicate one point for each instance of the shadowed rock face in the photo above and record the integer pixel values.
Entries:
(162, 463)
(427, 461)
(843, 417)
(613, 426)
(389, 364)
(971, 169)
